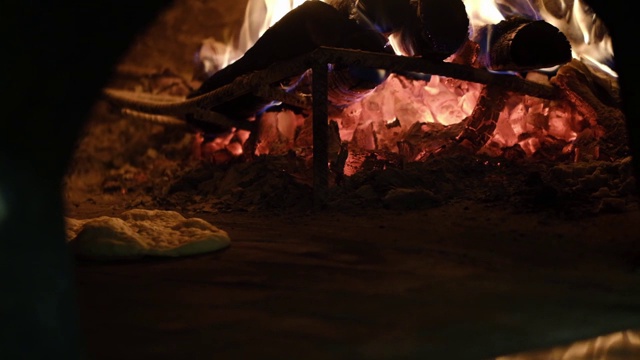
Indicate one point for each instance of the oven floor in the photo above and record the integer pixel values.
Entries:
(462, 281)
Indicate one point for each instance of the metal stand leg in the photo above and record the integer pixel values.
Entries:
(320, 136)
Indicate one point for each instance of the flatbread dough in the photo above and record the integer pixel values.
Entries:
(137, 233)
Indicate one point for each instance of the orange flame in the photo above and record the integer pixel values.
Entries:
(259, 16)
(580, 24)
(582, 27)
(589, 40)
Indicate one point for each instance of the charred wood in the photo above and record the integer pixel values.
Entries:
(274, 93)
(302, 30)
(433, 29)
(445, 27)
(344, 7)
(483, 120)
(519, 44)
(337, 166)
(596, 100)
(623, 28)
(338, 151)
(467, 54)
(387, 16)
(422, 140)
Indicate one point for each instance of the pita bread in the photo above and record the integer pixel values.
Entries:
(137, 233)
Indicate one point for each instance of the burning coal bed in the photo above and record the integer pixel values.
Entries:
(409, 142)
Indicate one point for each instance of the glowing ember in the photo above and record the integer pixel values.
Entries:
(400, 111)
(277, 132)
(405, 102)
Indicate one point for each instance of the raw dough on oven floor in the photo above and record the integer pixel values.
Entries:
(138, 233)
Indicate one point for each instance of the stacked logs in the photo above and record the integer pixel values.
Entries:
(431, 29)
(424, 27)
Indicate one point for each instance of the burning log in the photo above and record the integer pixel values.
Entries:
(595, 98)
(425, 139)
(468, 54)
(445, 27)
(482, 122)
(344, 7)
(433, 29)
(519, 44)
(302, 30)
(385, 16)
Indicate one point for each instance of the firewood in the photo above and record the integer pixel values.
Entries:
(305, 28)
(387, 16)
(468, 54)
(433, 29)
(422, 140)
(344, 7)
(300, 31)
(480, 125)
(519, 44)
(445, 27)
(596, 100)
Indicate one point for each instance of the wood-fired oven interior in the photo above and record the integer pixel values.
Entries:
(420, 194)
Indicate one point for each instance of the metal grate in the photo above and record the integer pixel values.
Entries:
(263, 83)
